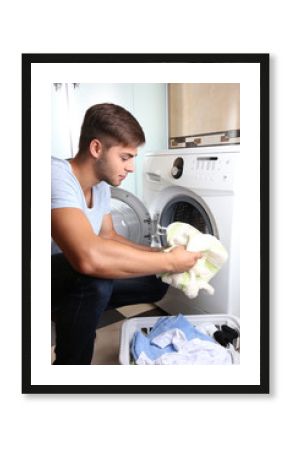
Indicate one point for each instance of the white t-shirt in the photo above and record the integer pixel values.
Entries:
(66, 192)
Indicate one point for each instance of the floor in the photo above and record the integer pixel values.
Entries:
(106, 351)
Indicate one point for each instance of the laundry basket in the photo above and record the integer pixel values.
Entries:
(130, 326)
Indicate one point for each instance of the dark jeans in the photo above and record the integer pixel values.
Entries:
(78, 301)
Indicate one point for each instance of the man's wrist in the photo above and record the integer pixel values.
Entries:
(169, 258)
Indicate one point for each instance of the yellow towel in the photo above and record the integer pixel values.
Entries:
(214, 256)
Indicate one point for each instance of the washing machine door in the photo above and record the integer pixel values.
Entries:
(131, 218)
(177, 204)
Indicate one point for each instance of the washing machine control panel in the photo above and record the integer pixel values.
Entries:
(207, 172)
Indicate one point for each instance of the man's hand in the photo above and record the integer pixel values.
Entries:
(182, 260)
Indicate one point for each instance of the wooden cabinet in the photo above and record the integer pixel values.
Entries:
(197, 110)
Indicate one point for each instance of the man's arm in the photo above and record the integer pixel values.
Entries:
(97, 256)
(108, 232)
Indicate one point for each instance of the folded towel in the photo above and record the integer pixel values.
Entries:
(174, 340)
(213, 257)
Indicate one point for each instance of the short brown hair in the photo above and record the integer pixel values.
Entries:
(112, 125)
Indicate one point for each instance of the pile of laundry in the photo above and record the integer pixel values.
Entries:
(174, 340)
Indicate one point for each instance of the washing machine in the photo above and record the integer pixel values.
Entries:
(198, 188)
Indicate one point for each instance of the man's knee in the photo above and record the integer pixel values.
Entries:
(98, 287)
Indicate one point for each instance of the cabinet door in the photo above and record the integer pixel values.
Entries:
(201, 108)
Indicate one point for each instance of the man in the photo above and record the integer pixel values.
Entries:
(94, 268)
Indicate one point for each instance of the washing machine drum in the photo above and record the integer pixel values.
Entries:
(188, 210)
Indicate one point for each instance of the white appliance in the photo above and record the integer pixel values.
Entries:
(201, 189)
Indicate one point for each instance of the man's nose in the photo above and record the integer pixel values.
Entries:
(130, 167)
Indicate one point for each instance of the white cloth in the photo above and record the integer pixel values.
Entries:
(207, 328)
(213, 252)
(194, 351)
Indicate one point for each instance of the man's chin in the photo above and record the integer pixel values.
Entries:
(114, 184)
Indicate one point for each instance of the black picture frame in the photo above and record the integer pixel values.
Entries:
(263, 61)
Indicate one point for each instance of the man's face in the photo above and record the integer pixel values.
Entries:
(115, 163)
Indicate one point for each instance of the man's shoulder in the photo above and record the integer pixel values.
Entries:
(62, 176)
(58, 162)
(60, 168)
(65, 190)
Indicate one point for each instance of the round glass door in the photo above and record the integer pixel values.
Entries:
(130, 217)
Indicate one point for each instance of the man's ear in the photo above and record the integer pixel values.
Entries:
(95, 148)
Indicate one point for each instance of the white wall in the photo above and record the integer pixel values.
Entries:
(147, 102)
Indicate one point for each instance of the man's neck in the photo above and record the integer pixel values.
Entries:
(83, 170)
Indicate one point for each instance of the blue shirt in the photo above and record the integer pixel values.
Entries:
(66, 192)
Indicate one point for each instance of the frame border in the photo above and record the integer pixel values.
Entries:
(27, 60)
